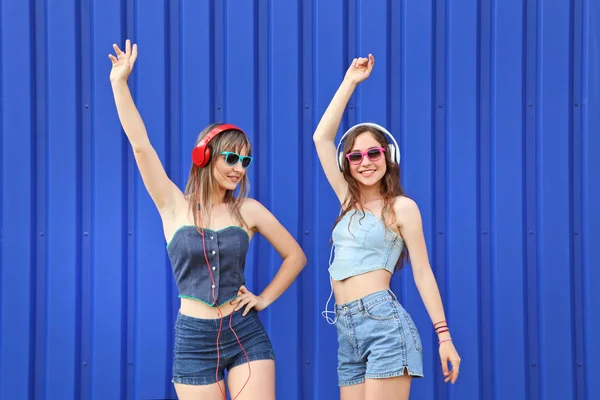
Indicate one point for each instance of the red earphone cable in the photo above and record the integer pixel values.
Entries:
(217, 305)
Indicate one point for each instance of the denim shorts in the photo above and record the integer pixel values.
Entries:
(195, 352)
(377, 339)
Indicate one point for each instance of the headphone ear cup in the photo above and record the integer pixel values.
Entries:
(201, 155)
(341, 161)
(392, 151)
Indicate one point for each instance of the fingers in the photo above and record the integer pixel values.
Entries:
(112, 58)
(445, 369)
(128, 47)
(455, 367)
(134, 54)
(362, 62)
(244, 300)
(251, 304)
(370, 63)
(117, 49)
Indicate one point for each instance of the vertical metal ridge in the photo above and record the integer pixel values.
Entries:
(576, 198)
(531, 194)
(31, 390)
(219, 52)
(172, 152)
(307, 299)
(41, 84)
(86, 200)
(439, 146)
(261, 69)
(126, 351)
(485, 45)
(2, 221)
(396, 92)
(129, 30)
(352, 30)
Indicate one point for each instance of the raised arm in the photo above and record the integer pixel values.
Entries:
(324, 135)
(162, 190)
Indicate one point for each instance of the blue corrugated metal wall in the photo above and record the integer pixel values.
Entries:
(495, 105)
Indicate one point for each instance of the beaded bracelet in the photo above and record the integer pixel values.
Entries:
(445, 340)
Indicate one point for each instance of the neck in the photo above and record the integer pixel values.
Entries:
(218, 197)
(370, 193)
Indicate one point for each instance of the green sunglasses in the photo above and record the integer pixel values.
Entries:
(232, 158)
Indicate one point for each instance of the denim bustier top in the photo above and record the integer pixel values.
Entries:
(363, 243)
(226, 252)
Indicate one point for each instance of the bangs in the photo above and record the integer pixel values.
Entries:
(234, 141)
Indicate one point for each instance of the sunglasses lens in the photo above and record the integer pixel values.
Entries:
(231, 158)
(374, 154)
(354, 157)
(246, 162)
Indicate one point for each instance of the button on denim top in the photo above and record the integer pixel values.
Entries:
(367, 244)
(226, 252)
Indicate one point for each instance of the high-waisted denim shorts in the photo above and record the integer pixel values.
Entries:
(377, 339)
(195, 353)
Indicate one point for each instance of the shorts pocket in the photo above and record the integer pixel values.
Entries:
(414, 332)
(381, 311)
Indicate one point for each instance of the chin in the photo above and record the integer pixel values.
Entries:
(370, 181)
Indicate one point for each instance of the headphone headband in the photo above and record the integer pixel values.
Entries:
(201, 153)
(392, 146)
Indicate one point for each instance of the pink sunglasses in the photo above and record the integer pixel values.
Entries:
(373, 154)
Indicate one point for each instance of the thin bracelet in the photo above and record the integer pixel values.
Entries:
(445, 340)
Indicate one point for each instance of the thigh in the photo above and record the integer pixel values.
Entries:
(353, 392)
(195, 392)
(254, 383)
(397, 388)
(195, 358)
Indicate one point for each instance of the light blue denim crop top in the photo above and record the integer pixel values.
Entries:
(363, 243)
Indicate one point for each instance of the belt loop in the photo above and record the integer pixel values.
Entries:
(392, 294)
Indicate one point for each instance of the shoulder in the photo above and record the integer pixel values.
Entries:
(406, 209)
(253, 212)
(252, 205)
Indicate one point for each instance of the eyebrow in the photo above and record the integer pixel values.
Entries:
(370, 148)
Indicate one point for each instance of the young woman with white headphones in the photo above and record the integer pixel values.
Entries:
(380, 348)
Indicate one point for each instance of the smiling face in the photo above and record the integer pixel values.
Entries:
(224, 178)
(366, 160)
(228, 169)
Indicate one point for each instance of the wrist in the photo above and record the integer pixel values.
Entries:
(350, 84)
(118, 82)
(444, 335)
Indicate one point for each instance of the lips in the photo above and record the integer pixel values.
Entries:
(367, 172)
(233, 178)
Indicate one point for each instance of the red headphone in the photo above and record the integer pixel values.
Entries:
(201, 153)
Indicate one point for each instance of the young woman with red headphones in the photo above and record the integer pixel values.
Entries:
(208, 229)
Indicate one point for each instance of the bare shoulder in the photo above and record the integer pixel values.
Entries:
(406, 210)
(252, 210)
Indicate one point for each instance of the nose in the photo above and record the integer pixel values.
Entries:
(238, 167)
(365, 161)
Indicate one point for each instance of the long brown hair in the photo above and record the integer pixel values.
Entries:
(390, 183)
(201, 183)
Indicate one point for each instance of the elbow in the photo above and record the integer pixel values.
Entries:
(298, 258)
(140, 148)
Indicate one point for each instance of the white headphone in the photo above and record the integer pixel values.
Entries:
(393, 148)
